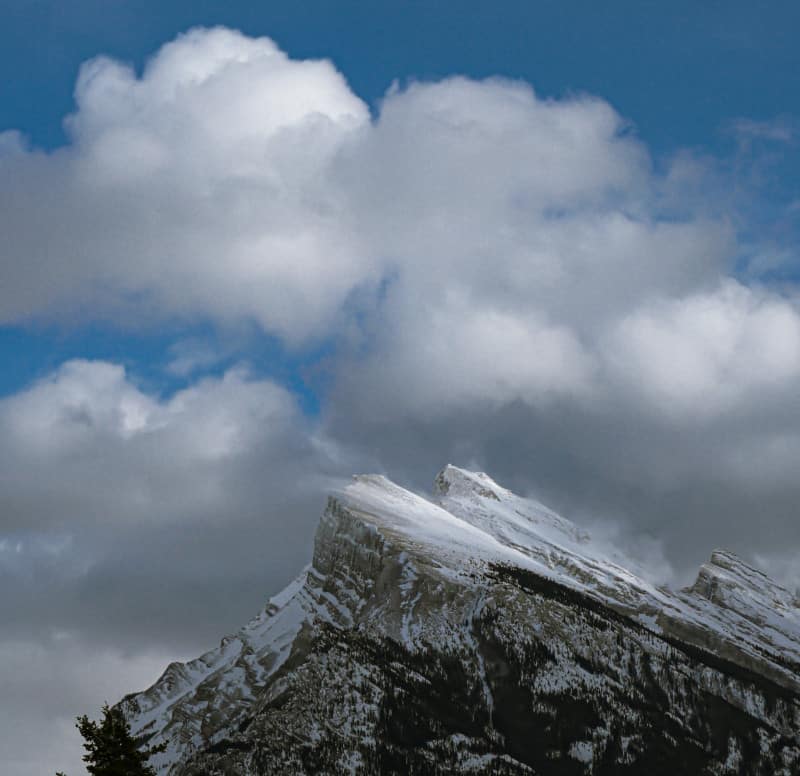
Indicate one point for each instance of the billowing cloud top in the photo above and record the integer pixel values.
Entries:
(489, 247)
(200, 188)
(503, 246)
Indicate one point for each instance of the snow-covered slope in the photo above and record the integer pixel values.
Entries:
(478, 592)
(732, 608)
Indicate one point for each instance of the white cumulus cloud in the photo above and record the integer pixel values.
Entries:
(197, 188)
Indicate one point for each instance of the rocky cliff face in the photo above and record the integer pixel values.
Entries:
(479, 632)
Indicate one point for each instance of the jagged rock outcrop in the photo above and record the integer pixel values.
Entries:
(479, 632)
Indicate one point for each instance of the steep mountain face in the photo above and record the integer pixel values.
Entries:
(479, 632)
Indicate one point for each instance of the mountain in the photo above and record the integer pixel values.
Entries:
(479, 632)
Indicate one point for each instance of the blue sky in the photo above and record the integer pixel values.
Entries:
(556, 241)
(679, 70)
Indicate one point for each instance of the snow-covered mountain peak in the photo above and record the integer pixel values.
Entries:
(520, 522)
(727, 581)
(471, 518)
(730, 564)
(471, 521)
(453, 481)
(420, 524)
(407, 588)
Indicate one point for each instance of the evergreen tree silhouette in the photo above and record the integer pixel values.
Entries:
(111, 749)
